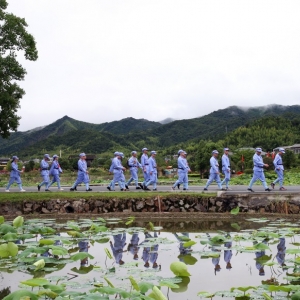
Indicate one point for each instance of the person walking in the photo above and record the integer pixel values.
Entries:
(258, 170)
(15, 175)
(55, 170)
(214, 173)
(134, 166)
(226, 168)
(44, 165)
(278, 165)
(83, 174)
(122, 176)
(117, 169)
(145, 166)
(182, 170)
(111, 186)
(152, 172)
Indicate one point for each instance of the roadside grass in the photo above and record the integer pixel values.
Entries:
(43, 196)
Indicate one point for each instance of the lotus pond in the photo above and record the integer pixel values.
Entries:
(129, 259)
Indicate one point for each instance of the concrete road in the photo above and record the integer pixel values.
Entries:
(234, 189)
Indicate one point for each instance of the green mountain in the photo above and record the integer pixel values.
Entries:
(74, 136)
(22, 142)
(213, 126)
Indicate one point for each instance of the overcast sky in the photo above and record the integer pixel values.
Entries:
(101, 61)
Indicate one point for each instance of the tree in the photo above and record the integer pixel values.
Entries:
(289, 159)
(13, 39)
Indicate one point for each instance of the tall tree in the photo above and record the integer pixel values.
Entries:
(13, 39)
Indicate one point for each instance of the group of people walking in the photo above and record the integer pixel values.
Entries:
(148, 166)
(54, 171)
(258, 170)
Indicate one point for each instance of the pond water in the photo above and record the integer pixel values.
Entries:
(113, 255)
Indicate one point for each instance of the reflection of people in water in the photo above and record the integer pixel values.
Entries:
(84, 247)
(280, 256)
(133, 246)
(259, 266)
(150, 254)
(228, 255)
(183, 250)
(56, 243)
(117, 247)
(216, 260)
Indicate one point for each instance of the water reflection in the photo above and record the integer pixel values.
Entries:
(150, 253)
(280, 256)
(133, 246)
(147, 250)
(228, 255)
(259, 262)
(84, 247)
(118, 247)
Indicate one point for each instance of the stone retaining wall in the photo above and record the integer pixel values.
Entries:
(181, 202)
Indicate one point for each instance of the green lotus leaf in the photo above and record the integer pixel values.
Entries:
(55, 288)
(12, 248)
(134, 283)
(261, 246)
(183, 238)
(145, 287)
(243, 288)
(151, 226)
(39, 264)
(46, 230)
(101, 220)
(179, 269)
(217, 239)
(71, 294)
(108, 282)
(108, 253)
(17, 295)
(102, 241)
(157, 294)
(58, 250)
(4, 253)
(46, 242)
(292, 251)
(296, 296)
(129, 222)
(18, 222)
(10, 236)
(5, 228)
(235, 226)
(26, 236)
(188, 259)
(235, 211)
(73, 233)
(205, 295)
(169, 284)
(189, 244)
(83, 270)
(111, 291)
(36, 282)
(81, 256)
(2, 219)
(48, 293)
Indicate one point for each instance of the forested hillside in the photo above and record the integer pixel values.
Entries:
(235, 127)
(33, 141)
